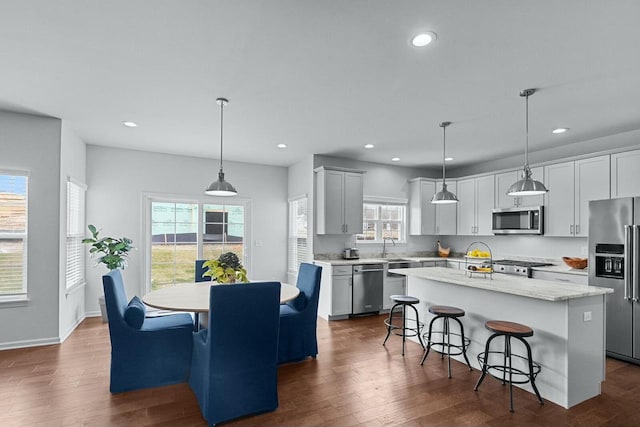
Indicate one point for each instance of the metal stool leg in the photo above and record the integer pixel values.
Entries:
(484, 363)
(428, 347)
(390, 321)
(507, 351)
(464, 346)
(531, 376)
(418, 327)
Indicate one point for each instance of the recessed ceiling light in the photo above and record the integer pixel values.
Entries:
(395, 159)
(560, 130)
(369, 146)
(281, 145)
(423, 39)
(130, 124)
(448, 159)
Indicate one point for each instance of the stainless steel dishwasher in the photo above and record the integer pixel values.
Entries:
(367, 288)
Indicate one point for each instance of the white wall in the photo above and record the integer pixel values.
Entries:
(117, 179)
(73, 154)
(32, 143)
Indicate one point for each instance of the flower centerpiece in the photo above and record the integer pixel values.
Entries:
(109, 251)
(226, 269)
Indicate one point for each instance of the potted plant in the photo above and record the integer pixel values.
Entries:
(226, 269)
(109, 251)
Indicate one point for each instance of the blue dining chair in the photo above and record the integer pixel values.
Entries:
(234, 371)
(145, 351)
(200, 269)
(299, 318)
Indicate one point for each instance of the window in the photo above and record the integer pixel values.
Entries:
(183, 231)
(75, 232)
(383, 221)
(298, 237)
(13, 234)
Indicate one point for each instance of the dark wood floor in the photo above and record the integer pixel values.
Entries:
(354, 381)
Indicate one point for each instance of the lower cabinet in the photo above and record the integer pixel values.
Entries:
(392, 285)
(335, 291)
(577, 279)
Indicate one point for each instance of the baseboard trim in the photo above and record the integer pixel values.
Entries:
(72, 328)
(29, 343)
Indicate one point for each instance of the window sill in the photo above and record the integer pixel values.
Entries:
(14, 301)
(75, 288)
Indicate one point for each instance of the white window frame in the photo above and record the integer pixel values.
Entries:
(295, 256)
(75, 255)
(148, 198)
(19, 297)
(386, 201)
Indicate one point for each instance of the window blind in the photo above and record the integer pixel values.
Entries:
(75, 231)
(298, 236)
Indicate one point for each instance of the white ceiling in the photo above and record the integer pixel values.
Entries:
(325, 77)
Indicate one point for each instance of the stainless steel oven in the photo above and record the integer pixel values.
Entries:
(528, 220)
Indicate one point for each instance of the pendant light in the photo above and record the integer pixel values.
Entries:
(444, 196)
(527, 186)
(221, 187)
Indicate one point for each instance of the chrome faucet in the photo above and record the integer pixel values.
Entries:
(384, 245)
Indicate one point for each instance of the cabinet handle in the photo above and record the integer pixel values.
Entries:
(346, 228)
(571, 229)
(577, 229)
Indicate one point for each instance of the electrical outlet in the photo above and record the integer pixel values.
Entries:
(583, 251)
(586, 316)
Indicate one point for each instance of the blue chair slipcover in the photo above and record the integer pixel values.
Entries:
(234, 370)
(299, 318)
(200, 269)
(156, 354)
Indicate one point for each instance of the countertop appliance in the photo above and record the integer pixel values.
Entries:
(512, 266)
(614, 255)
(525, 220)
(351, 253)
(367, 288)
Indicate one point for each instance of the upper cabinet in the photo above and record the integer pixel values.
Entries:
(339, 200)
(625, 174)
(426, 218)
(422, 213)
(475, 205)
(571, 186)
(506, 179)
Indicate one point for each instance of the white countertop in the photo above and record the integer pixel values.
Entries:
(506, 283)
(563, 268)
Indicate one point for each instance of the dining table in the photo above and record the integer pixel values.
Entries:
(194, 297)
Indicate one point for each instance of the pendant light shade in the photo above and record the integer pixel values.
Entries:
(444, 196)
(221, 187)
(527, 186)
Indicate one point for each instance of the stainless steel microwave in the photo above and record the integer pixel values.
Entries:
(526, 220)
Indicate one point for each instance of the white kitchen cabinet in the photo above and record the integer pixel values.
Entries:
(625, 174)
(339, 200)
(475, 205)
(335, 291)
(571, 186)
(504, 180)
(422, 213)
(447, 214)
(392, 285)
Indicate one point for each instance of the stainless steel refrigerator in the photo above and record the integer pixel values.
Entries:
(614, 254)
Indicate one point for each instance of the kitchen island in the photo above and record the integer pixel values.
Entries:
(568, 322)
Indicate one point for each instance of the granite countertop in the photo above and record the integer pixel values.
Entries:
(564, 269)
(506, 283)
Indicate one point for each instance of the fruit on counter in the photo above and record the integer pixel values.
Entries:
(480, 269)
(477, 253)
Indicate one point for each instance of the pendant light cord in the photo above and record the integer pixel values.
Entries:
(526, 145)
(444, 150)
(221, 125)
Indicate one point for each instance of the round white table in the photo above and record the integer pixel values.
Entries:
(195, 296)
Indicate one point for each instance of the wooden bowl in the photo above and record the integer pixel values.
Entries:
(577, 263)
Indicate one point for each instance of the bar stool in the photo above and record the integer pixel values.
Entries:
(413, 329)
(441, 346)
(509, 330)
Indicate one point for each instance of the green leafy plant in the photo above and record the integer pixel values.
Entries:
(226, 269)
(107, 250)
